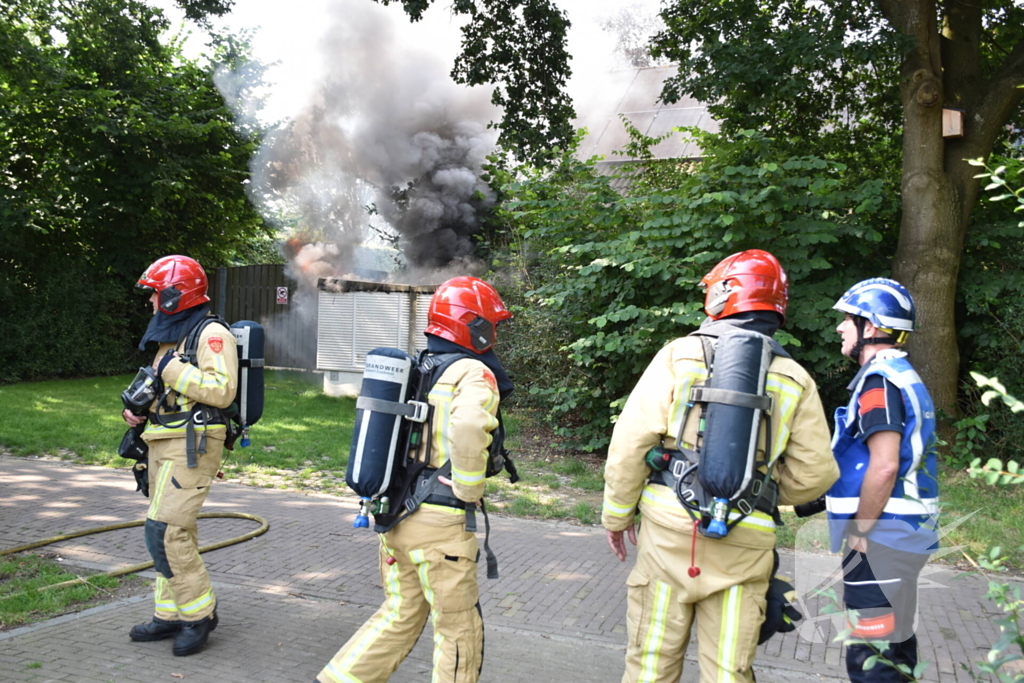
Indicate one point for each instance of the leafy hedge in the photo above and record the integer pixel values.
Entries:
(624, 268)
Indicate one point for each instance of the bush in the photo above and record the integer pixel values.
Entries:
(990, 312)
(621, 271)
(68, 323)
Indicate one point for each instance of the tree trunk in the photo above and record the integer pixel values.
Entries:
(932, 230)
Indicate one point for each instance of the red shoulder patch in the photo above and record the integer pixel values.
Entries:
(491, 381)
(216, 344)
(872, 399)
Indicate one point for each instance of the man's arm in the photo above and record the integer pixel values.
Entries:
(879, 480)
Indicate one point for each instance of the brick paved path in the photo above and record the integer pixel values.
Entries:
(290, 597)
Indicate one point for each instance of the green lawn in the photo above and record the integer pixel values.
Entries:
(301, 427)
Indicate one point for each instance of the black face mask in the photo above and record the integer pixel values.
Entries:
(164, 328)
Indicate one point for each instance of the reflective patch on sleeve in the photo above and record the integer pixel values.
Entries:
(467, 478)
(616, 510)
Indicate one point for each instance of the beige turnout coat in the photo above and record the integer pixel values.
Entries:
(652, 416)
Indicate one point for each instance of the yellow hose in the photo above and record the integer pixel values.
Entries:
(264, 526)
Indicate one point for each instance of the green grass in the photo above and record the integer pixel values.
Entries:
(20, 578)
(999, 520)
(530, 504)
(301, 429)
(587, 513)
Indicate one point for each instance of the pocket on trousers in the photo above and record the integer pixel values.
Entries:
(639, 604)
(179, 495)
(451, 574)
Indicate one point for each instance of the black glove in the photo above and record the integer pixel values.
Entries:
(141, 471)
(780, 616)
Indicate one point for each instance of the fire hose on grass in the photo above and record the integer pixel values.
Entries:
(264, 526)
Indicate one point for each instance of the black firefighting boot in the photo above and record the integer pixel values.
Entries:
(158, 629)
(194, 635)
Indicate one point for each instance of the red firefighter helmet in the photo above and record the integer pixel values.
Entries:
(466, 310)
(179, 282)
(751, 280)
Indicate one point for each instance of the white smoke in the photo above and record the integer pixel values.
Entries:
(384, 127)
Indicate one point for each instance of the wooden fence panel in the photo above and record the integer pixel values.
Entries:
(250, 293)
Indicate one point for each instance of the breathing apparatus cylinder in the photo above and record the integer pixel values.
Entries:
(250, 339)
(728, 455)
(143, 390)
(376, 439)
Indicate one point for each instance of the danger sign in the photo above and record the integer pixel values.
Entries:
(282, 295)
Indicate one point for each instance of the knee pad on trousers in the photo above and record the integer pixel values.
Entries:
(155, 533)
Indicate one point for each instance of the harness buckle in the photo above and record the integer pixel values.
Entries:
(688, 495)
(744, 505)
(756, 486)
(679, 468)
(420, 411)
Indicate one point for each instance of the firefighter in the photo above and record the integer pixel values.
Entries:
(185, 433)
(682, 576)
(428, 561)
(885, 504)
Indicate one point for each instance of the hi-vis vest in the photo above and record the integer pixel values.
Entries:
(909, 519)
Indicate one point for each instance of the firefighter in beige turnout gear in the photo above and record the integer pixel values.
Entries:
(185, 602)
(681, 577)
(428, 561)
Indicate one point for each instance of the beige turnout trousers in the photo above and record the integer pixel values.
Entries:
(177, 493)
(435, 575)
(727, 602)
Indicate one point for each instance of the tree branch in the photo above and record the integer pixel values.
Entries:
(961, 52)
(1001, 96)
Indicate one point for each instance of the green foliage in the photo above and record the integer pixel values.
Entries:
(625, 268)
(519, 46)
(114, 150)
(822, 77)
(971, 438)
(990, 304)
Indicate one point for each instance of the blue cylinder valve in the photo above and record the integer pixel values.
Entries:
(363, 518)
(716, 527)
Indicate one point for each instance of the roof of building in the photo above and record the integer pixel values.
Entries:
(635, 94)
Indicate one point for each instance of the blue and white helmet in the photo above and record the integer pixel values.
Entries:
(885, 303)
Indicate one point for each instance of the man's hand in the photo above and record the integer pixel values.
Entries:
(448, 482)
(618, 545)
(132, 419)
(857, 543)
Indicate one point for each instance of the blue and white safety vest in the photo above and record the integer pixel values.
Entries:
(909, 520)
